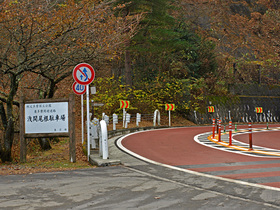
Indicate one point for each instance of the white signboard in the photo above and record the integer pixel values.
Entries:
(127, 117)
(115, 118)
(46, 117)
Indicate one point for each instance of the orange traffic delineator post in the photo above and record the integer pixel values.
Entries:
(213, 135)
(217, 125)
(230, 133)
(250, 137)
(220, 122)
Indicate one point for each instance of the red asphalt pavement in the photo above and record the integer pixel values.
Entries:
(176, 147)
(263, 139)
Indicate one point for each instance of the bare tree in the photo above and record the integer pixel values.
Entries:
(44, 40)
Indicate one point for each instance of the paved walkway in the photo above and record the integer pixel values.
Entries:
(134, 185)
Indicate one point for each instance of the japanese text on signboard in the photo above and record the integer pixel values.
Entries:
(46, 117)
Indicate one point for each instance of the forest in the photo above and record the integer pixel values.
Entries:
(151, 53)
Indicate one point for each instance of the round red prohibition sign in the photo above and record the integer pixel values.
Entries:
(83, 74)
(78, 88)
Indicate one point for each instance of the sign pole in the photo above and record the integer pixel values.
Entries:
(88, 134)
(124, 116)
(72, 140)
(169, 108)
(169, 113)
(84, 74)
(82, 117)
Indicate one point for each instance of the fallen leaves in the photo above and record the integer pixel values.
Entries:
(56, 159)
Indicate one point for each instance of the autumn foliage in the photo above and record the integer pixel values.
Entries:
(246, 33)
(148, 52)
(40, 43)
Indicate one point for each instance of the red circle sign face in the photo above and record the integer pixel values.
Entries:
(78, 88)
(83, 74)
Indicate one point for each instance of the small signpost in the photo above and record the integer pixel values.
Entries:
(259, 110)
(78, 88)
(211, 109)
(169, 108)
(124, 105)
(84, 74)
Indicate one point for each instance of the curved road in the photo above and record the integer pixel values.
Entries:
(136, 184)
(176, 147)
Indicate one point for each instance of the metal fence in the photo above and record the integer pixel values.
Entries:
(250, 97)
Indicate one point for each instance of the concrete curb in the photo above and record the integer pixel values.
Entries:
(94, 157)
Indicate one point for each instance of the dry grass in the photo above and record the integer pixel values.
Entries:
(56, 159)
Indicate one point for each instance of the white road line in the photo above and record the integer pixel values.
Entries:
(119, 144)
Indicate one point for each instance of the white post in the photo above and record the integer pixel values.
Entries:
(169, 118)
(104, 139)
(156, 117)
(127, 119)
(107, 120)
(91, 131)
(88, 134)
(94, 132)
(115, 121)
(138, 119)
(82, 117)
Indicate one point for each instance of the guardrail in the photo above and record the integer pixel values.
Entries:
(99, 134)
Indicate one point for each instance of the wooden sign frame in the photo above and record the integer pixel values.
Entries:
(71, 126)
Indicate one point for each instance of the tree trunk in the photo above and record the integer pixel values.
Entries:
(45, 143)
(3, 115)
(52, 89)
(6, 147)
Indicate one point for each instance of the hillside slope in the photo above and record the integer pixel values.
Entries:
(246, 33)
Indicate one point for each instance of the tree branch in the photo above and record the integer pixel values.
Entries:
(16, 103)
